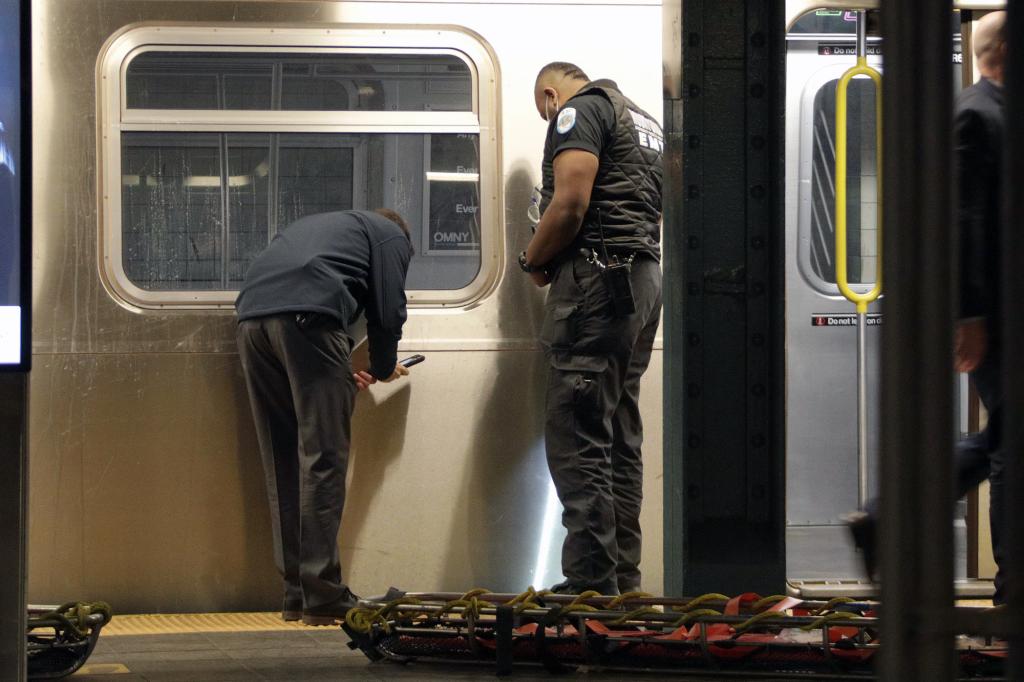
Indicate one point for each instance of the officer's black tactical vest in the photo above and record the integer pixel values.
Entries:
(627, 189)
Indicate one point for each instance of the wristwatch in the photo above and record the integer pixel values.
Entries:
(524, 266)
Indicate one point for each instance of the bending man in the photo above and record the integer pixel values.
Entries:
(299, 298)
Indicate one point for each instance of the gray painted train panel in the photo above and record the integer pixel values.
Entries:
(824, 553)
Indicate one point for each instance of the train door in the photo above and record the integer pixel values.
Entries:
(823, 467)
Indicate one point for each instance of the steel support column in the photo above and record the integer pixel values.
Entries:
(917, 402)
(1013, 334)
(724, 260)
(13, 523)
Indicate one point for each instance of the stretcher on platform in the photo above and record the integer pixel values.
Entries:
(746, 635)
(61, 638)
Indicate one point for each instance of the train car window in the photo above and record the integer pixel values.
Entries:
(299, 82)
(826, 21)
(862, 172)
(181, 234)
(210, 150)
(838, 21)
(198, 207)
(816, 61)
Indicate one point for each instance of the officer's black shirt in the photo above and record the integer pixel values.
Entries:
(594, 119)
(594, 116)
(336, 264)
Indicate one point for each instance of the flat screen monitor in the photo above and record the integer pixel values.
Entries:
(15, 194)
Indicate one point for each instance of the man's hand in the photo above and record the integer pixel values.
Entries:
(363, 380)
(540, 278)
(970, 342)
(400, 371)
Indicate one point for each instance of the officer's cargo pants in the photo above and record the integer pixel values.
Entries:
(302, 392)
(593, 431)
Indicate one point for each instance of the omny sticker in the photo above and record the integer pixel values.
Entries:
(566, 120)
(453, 218)
(843, 319)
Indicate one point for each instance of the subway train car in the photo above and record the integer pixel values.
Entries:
(174, 138)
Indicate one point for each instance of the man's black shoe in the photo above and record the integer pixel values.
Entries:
(568, 587)
(863, 529)
(291, 609)
(331, 612)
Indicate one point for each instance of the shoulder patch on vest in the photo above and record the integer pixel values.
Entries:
(566, 120)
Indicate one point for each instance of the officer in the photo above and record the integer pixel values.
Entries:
(299, 298)
(598, 246)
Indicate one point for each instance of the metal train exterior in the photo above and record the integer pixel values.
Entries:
(146, 487)
(821, 363)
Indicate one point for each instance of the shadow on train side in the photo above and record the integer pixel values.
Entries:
(504, 442)
(507, 439)
(374, 451)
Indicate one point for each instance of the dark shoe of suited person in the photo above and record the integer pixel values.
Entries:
(291, 609)
(864, 531)
(567, 587)
(332, 612)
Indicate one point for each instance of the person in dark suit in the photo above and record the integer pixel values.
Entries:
(301, 296)
(979, 122)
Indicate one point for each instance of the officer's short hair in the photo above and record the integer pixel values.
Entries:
(397, 219)
(565, 68)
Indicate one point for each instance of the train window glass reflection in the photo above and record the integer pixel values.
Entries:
(299, 81)
(862, 173)
(198, 207)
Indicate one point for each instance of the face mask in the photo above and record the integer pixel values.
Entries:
(547, 112)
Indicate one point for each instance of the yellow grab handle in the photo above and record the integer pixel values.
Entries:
(842, 279)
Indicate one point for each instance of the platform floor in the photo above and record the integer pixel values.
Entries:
(259, 648)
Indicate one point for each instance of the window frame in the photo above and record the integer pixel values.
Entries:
(115, 118)
(812, 87)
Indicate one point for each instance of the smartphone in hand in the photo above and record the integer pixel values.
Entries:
(411, 360)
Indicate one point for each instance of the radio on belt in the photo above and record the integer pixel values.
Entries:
(615, 275)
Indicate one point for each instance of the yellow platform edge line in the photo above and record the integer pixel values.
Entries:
(181, 623)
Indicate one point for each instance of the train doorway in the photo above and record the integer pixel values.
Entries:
(825, 472)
